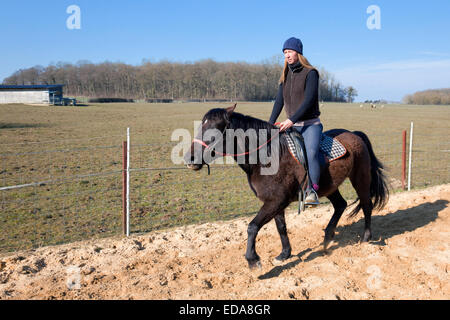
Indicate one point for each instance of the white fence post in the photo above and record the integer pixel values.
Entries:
(128, 182)
(410, 154)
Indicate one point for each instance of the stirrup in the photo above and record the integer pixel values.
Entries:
(312, 199)
(301, 201)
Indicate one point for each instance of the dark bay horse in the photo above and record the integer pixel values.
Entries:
(278, 190)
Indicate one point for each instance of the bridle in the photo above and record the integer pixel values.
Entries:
(210, 146)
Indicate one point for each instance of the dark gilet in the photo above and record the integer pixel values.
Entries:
(294, 93)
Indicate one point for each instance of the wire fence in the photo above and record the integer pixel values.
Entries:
(58, 191)
(61, 191)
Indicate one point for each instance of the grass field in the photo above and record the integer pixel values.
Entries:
(76, 153)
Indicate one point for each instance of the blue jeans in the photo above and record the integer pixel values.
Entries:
(311, 135)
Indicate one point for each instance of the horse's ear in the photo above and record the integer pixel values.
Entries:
(231, 109)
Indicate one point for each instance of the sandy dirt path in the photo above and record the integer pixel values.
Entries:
(409, 258)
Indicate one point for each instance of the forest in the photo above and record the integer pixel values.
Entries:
(205, 80)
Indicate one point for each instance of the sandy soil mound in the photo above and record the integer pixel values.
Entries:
(408, 259)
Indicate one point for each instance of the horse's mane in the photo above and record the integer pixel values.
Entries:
(239, 120)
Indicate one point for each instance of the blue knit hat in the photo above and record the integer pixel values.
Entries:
(293, 44)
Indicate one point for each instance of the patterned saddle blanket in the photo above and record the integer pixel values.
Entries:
(329, 147)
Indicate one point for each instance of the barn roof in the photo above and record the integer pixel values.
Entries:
(37, 86)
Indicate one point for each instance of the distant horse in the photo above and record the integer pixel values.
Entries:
(278, 190)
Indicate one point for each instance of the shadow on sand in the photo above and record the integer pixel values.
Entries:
(383, 227)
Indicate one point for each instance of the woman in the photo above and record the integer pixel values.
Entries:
(298, 92)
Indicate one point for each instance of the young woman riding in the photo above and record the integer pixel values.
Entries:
(298, 92)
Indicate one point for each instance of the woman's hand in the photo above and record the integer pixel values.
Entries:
(286, 124)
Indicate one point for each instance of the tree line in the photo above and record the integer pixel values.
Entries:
(433, 96)
(206, 79)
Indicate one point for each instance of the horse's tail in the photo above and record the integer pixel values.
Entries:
(379, 191)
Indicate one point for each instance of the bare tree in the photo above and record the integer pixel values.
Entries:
(351, 94)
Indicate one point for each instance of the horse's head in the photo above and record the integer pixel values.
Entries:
(214, 123)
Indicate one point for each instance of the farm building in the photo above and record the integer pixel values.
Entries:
(32, 94)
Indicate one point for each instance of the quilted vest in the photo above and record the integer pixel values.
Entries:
(293, 94)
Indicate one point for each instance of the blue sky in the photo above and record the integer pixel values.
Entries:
(410, 52)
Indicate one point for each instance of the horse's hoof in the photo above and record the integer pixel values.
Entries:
(326, 244)
(280, 259)
(254, 265)
(366, 236)
(278, 262)
(328, 239)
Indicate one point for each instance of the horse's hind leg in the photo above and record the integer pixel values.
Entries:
(339, 205)
(361, 183)
(281, 227)
(367, 209)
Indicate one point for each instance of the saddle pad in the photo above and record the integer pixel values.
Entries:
(331, 148)
(291, 148)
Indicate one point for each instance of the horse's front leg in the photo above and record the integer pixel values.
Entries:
(265, 214)
(286, 246)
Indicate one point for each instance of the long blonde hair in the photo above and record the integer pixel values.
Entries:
(303, 61)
